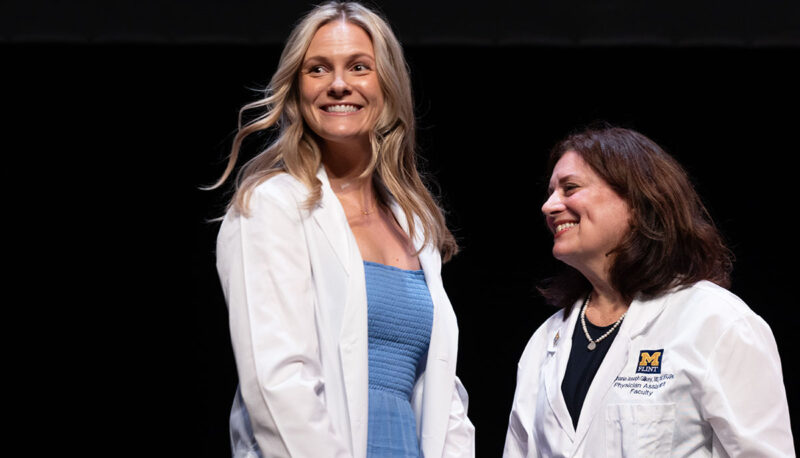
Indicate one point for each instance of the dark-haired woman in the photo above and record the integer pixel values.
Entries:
(649, 355)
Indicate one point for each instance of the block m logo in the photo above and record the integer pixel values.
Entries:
(650, 361)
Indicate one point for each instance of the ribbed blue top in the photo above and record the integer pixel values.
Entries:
(400, 317)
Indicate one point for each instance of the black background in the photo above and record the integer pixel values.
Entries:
(119, 115)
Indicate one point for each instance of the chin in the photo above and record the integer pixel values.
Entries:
(561, 253)
(566, 257)
(350, 135)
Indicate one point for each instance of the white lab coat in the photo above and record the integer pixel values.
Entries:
(719, 391)
(294, 283)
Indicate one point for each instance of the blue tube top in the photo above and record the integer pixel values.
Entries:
(400, 318)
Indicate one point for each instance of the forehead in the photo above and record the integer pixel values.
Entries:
(570, 165)
(339, 37)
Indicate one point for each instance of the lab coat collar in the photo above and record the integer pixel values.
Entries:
(643, 312)
(429, 261)
(330, 217)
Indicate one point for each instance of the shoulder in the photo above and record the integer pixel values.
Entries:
(277, 203)
(281, 193)
(706, 300)
(537, 344)
(550, 325)
(711, 312)
(556, 321)
(282, 188)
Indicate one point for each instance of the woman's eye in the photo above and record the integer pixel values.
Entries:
(360, 68)
(569, 188)
(316, 69)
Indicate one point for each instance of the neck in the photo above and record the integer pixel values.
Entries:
(352, 187)
(606, 304)
(346, 161)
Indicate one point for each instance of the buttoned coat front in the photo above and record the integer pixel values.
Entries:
(293, 279)
(693, 372)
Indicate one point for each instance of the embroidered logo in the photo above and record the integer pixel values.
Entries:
(650, 361)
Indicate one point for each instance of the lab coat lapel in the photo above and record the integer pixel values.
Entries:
(558, 348)
(610, 368)
(431, 263)
(640, 316)
(331, 219)
(353, 351)
(440, 367)
(353, 336)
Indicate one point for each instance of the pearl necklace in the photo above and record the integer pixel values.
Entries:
(593, 343)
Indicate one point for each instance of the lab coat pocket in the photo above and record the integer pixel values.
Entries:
(639, 430)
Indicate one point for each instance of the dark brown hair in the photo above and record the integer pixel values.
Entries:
(672, 241)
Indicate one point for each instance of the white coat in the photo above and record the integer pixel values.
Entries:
(715, 388)
(294, 283)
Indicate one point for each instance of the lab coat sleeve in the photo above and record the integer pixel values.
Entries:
(460, 440)
(743, 397)
(265, 272)
(517, 443)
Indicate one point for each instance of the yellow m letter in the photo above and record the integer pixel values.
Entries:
(647, 358)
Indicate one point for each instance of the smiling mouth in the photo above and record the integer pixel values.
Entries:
(563, 227)
(341, 108)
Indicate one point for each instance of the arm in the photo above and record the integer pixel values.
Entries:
(743, 396)
(264, 268)
(460, 440)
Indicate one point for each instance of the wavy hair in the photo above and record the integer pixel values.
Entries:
(296, 151)
(672, 241)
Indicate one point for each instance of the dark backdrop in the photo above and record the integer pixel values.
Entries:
(111, 138)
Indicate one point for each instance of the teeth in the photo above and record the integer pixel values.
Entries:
(341, 108)
(563, 226)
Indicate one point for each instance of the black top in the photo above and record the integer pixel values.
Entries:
(583, 364)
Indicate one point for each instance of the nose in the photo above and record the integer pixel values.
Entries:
(339, 86)
(553, 205)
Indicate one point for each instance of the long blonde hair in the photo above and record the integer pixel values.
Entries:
(295, 150)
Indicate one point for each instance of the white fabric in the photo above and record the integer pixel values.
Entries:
(719, 392)
(294, 283)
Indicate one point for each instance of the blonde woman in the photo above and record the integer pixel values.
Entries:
(329, 257)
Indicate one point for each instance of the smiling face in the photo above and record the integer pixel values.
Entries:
(340, 95)
(588, 219)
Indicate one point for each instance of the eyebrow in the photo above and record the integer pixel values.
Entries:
(551, 188)
(355, 56)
